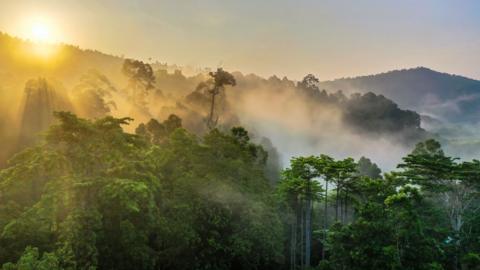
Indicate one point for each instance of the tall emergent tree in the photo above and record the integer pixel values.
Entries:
(325, 166)
(454, 185)
(221, 79)
(141, 80)
(343, 174)
(389, 231)
(301, 189)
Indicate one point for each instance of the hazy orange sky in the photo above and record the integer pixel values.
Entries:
(328, 38)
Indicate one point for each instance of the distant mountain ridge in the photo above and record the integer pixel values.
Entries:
(272, 107)
(19, 61)
(438, 95)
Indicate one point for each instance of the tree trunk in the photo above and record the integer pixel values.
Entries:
(336, 203)
(292, 243)
(340, 208)
(325, 221)
(212, 108)
(293, 251)
(345, 205)
(308, 225)
(302, 233)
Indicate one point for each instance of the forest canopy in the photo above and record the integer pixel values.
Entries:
(117, 163)
(91, 196)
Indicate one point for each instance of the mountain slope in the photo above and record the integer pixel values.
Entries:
(22, 60)
(439, 95)
(274, 108)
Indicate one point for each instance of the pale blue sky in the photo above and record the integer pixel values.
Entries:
(328, 38)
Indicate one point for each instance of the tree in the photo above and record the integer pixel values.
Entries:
(414, 247)
(343, 173)
(172, 123)
(42, 98)
(221, 79)
(388, 233)
(298, 182)
(156, 132)
(100, 198)
(93, 95)
(324, 165)
(375, 114)
(31, 260)
(308, 87)
(141, 81)
(365, 167)
(139, 73)
(445, 180)
(309, 82)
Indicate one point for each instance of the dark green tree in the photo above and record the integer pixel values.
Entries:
(453, 185)
(365, 167)
(300, 188)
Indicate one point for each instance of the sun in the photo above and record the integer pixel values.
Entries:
(41, 32)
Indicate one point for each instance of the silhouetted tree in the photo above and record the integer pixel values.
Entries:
(93, 95)
(221, 79)
(141, 80)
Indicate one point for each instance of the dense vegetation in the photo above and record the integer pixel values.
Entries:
(185, 186)
(423, 216)
(93, 84)
(444, 96)
(91, 196)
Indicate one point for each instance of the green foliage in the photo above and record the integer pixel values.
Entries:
(92, 196)
(365, 167)
(371, 113)
(100, 198)
(219, 80)
(471, 260)
(388, 233)
(31, 260)
(428, 166)
(419, 218)
(156, 132)
(454, 186)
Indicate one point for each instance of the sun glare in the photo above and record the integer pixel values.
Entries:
(41, 32)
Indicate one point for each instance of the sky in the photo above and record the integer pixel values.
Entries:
(330, 39)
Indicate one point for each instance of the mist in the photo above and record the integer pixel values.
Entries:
(296, 122)
(131, 162)
(297, 128)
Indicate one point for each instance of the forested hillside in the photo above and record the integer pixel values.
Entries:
(91, 196)
(94, 84)
(116, 163)
(443, 96)
(448, 104)
(96, 197)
